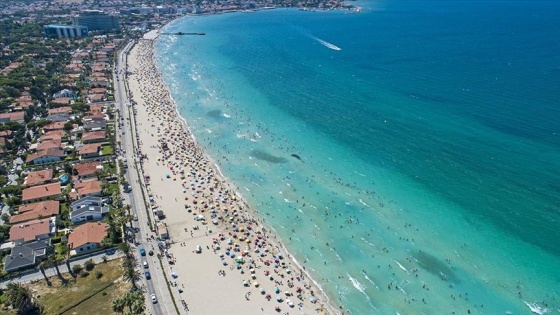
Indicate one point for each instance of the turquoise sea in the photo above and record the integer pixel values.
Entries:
(426, 135)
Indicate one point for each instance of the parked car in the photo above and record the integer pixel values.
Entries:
(145, 264)
(148, 276)
(154, 299)
(142, 252)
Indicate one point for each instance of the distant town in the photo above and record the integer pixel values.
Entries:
(61, 170)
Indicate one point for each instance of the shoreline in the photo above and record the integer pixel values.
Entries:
(250, 214)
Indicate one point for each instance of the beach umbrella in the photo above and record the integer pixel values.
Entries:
(224, 263)
(312, 299)
(256, 284)
(276, 290)
(245, 283)
(262, 291)
(279, 298)
(221, 254)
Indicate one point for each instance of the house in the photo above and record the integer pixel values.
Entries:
(90, 150)
(95, 125)
(96, 109)
(96, 98)
(33, 211)
(86, 170)
(41, 193)
(49, 144)
(45, 156)
(59, 125)
(63, 117)
(38, 178)
(60, 110)
(94, 136)
(89, 208)
(33, 230)
(89, 188)
(53, 135)
(61, 101)
(87, 237)
(14, 116)
(26, 255)
(65, 93)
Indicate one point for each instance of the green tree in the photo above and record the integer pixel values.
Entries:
(20, 297)
(68, 126)
(77, 268)
(89, 264)
(118, 305)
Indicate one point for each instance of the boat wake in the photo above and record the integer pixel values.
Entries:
(327, 44)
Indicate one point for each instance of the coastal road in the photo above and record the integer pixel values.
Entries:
(126, 134)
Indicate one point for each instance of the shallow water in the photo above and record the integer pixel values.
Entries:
(427, 143)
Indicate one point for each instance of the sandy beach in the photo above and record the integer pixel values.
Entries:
(224, 259)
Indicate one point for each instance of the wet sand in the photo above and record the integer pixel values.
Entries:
(241, 267)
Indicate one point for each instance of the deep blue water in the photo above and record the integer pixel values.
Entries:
(430, 141)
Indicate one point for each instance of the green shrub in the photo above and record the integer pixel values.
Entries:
(84, 274)
(89, 265)
(98, 274)
(76, 269)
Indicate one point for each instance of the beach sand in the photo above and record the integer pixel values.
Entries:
(187, 185)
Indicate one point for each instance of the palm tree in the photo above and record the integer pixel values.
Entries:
(131, 275)
(19, 297)
(66, 253)
(118, 305)
(54, 262)
(125, 249)
(138, 303)
(42, 266)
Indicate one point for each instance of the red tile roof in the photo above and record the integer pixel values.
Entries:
(90, 148)
(92, 232)
(59, 125)
(47, 152)
(28, 231)
(43, 191)
(15, 116)
(39, 177)
(32, 211)
(85, 169)
(49, 144)
(60, 110)
(53, 135)
(88, 188)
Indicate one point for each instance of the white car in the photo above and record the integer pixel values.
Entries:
(154, 299)
(145, 264)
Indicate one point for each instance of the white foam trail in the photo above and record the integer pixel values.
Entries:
(371, 281)
(370, 244)
(401, 266)
(327, 44)
(360, 287)
(227, 116)
(537, 309)
(362, 202)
